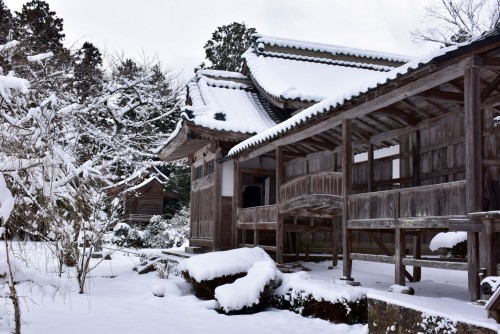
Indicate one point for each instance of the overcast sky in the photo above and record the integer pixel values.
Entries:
(176, 30)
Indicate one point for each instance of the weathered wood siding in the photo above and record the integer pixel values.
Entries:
(441, 153)
(434, 200)
(202, 208)
(382, 175)
(258, 214)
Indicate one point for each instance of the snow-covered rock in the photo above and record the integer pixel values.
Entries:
(158, 290)
(251, 293)
(208, 271)
(405, 290)
(447, 240)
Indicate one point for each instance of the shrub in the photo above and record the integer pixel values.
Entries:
(167, 233)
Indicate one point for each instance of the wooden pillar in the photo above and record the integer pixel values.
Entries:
(217, 223)
(399, 251)
(335, 241)
(346, 190)
(417, 254)
(399, 244)
(416, 158)
(472, 261)
(279, 217)
(473, 168)
(192, 203)
(370, 168)
(487, 248)
(236, 202)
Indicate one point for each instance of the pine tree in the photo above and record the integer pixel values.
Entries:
(227, 45)
(87, 71)
(6, 22)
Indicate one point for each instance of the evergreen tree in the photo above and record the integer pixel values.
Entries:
(5, 22)
(39, 28)
(87, 71)
(227, 45)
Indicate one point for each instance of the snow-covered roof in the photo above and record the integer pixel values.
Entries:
(262, 41)
(227, 106)
(228, 103)
(350, 93)
(310, 72)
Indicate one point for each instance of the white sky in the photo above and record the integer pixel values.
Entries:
(176, 30)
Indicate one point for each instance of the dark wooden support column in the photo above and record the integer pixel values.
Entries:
(236, 202)
(473, 168)
(370, 168)
(416, 158)
(417, 254)
(346, 190)
(279, 217)
(399, 245)
(487, 248)
(217, 202)
(335, 241)
(192, 218)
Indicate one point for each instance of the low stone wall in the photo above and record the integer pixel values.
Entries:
(385, 318)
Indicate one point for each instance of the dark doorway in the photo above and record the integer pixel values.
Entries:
(252, 196)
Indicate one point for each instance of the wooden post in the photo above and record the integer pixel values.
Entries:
(399, 250)
(487, 248)
(416, 158)
(399, 245)
(472, 261)
(370, 168)
(279, 217)
(417, 254)
(473, 168)
(217, 223)
(335, 241)
(236, 202)
(346, 190)
(192, 203)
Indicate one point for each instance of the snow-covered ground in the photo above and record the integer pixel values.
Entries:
(118, 300)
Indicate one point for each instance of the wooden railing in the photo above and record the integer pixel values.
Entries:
(324, 183)
(258, 214)
(444, 199)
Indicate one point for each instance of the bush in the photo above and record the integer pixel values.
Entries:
(167, 233)
(124, 235)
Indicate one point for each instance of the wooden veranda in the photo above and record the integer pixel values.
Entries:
(443, 176)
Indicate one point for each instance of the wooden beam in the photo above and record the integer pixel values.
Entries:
(346, 190)
(279, 217)
(258, 171)
(256, 226)
(442, 96)
(401, 116)
(335, 240)
(399, 246)
(424, 83)
(417, 253)
(492, 86)
(370, 168)
(435, 264)
(492, 101)
(490, 62)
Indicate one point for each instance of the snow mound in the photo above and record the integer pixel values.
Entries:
(447, 240)
(158, 290)
(217, 264)
(247, 291)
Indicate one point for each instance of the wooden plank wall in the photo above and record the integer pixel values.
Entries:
(324, 161)
(259, 214)
(441, 153)
(202, 212)
(226, 222)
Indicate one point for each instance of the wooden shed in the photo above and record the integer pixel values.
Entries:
(143, 197)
